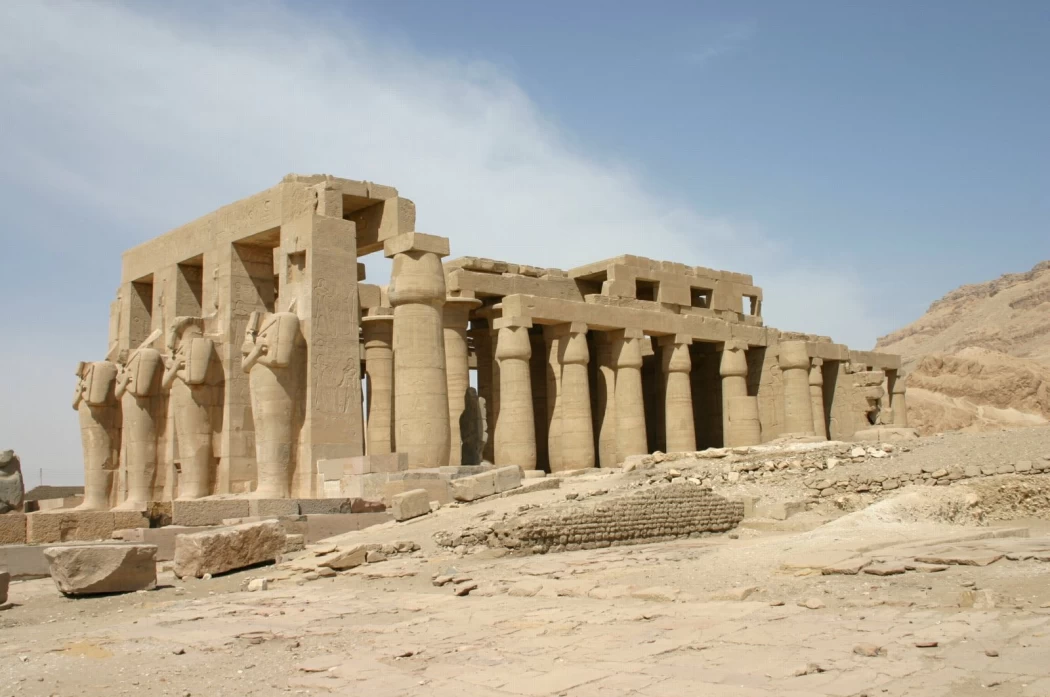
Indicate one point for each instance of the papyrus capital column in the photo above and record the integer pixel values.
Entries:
(516, 428)
(898, 401)
(378, 335)
(631, 438)
(417, 294)
(798, 405)
(455, 316)
(574, 396)
(679, 424)
(816, 395)
(740, 422)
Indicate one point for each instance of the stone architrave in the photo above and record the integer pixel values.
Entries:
(378, 334)
(456, 315)
(679, 421)
(269, 349)
(898, 402)
(816, 395)
(574, 397)
(12, 487)
(417, 294)
(740, 421)
(96, 403)
(631, 437)
(187, 365)
(798, 405)
(605, 399)
(136, 385)
(516, 429)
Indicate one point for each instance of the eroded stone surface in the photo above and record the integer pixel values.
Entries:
(94, 569)
(226, 549)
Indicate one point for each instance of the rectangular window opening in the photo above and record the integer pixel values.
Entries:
(700, 297)
(646, 290)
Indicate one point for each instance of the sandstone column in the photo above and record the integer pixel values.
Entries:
(631, 438)
(898, 402)
(554, 444)
(99, 413)
(606, 393)
(798, 406)
(456, 315)
(516, 429)
(577, 426)
(378, 331)
(816, 396)
(679, 421)
(417, 294)
(135, 389)
(740, 421)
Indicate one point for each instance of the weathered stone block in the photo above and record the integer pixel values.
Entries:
(93, 569)
(272, 507)
(80, 526)
(162, 538)
(507, 478)
(226, 549)
(325, 506)
(366, 486)
(5, 582)
(410, 504)
(474, 488)
(13, 529)
(321, 526)
(196, 512)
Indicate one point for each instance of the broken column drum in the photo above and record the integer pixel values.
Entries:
(187, 364)
(631, 437)
(378, 333)
(574, 399)
(816, 397)
(269, 347)
(680, 428)
(798, 405)
(417, 294)
(136, 385)
(96, 403)
(740, 420)
(516, 430)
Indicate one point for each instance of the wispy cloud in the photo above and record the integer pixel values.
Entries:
(150, 121)
(719, 40)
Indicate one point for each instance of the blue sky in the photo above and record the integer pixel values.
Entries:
(859, 159)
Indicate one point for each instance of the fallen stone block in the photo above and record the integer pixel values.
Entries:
(162, 538)
(94, 569)
(227, 549)
(475, 487)
(507, 478)
(779, 510)
(410, 504)
(885, 569)
(849, 567)
(348, 558)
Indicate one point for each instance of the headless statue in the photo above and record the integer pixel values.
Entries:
(186, 369)
(96, 403)
(269, 344)
(136, 385)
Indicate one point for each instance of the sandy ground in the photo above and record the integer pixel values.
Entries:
(646, 620)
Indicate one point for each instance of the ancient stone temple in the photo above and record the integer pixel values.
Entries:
(248, 356)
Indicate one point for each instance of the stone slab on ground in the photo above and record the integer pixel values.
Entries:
(410, 504)
(13, 529)
(196, 512)
(95, 569)
(80, 526)
(507, 478)
(474, 487)
(163, 538)
(320, 526)
(433, 482)
(226, 549)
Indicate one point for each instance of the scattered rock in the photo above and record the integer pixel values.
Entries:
(91, 569)
(812, 603)
(441, 580)
(885, 569)
(258, 584)
(869, 650)
(465, 589)
(991, 653)
(926, 644)
(525, 589)
(808, 669)
(735, 593)
(375, 556)
(326, 572)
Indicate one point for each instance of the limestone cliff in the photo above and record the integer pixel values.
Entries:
(980, 356)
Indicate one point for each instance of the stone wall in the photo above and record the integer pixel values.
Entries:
(652, 515)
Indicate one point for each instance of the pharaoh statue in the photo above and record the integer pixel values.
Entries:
(187, 363)
(267, 353)
(96, 403)
(136, 386)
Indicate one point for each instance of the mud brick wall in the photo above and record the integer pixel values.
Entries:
(651, 515)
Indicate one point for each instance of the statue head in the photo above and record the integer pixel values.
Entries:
(269, 339)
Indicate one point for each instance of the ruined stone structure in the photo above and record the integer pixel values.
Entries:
(238, 344)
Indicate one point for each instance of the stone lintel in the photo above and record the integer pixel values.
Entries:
(513, 323)
(674, 340)
(416, 242)
(877, 361)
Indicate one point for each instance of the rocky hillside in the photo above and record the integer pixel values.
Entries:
(980, 357)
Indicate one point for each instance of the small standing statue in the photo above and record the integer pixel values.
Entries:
(96, 403)
(12, 488)
(186, 370)
(135, 389)
(267, 352)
